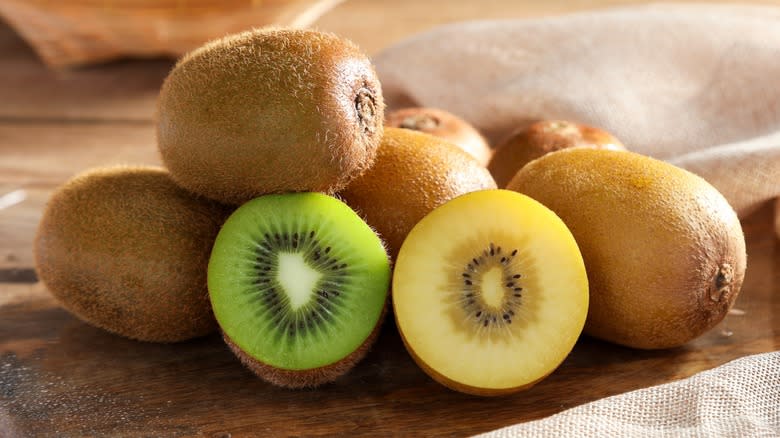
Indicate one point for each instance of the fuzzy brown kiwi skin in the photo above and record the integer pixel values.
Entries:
(414, 173)
(444, 124)
(543, 137)
(126, 250)
(311, 378)
(664, 251)
(269, 111)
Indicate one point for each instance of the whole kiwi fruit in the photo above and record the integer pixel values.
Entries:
(271, 110)
(542, 137)
(125, 249)
(414, 173)
(663, 249)
(443, 124)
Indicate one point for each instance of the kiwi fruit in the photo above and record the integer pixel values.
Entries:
(664, 250)
(777, 217)
(126, 250)
(414, 173)
(490, 292)
(299, 286)
(443, 124)
(270, 110)
(543, 137)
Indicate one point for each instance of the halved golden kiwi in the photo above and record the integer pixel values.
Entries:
(490, 292)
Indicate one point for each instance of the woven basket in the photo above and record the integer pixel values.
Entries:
(75, 32)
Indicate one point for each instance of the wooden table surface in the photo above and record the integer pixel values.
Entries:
(61, 377)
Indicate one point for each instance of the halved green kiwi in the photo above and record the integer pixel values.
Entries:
(299, 285)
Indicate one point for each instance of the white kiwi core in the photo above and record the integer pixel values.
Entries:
(297, 278)
(492, 289)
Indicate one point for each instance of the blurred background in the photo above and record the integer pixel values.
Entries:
(68, 33)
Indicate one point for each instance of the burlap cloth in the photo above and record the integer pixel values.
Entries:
(696, 85)
(738, 399)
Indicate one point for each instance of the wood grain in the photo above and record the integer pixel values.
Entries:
(61, 377)
(38, 156)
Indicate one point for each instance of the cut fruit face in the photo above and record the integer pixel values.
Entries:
(297, 281)
(490, 292)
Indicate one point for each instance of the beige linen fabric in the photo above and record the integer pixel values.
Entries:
(697, 85)
(739, 399)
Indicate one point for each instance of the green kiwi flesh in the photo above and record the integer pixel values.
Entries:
(270, 111)
(299, 285)
(125, 249)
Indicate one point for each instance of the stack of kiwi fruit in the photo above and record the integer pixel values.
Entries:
(293, 217)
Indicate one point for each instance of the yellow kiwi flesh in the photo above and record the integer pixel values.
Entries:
(413, 174)
(271, 110)
(664, 250)
(126, 250)
(490, 292)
